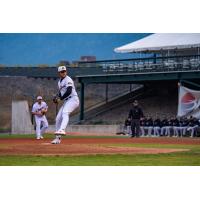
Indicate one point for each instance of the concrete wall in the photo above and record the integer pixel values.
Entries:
(90, 129)
(21, 118)
(21, 123)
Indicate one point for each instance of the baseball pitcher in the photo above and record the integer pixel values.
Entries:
(68, 95)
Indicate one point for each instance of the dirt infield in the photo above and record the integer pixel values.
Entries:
(89, 146)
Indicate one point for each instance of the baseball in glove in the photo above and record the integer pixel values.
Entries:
(43, 112)
(56, 99)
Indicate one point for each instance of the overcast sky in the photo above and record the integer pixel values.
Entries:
(33, 49)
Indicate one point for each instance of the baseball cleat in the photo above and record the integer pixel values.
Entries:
(56, 141)
(41, 137)
(37, 138)
(60, 132)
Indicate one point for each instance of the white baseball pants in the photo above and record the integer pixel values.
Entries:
(62, 118)
(156, 131)
(165, 131)
(192, 130)
(41, 125)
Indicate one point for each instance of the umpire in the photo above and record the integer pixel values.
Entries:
(135, 114)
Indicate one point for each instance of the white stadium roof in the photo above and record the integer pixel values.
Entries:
(162, 41)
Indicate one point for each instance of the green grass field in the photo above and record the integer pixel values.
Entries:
(189, 158)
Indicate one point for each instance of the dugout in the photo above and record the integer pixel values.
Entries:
(165, 80)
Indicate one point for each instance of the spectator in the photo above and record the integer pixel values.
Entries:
(135, 114)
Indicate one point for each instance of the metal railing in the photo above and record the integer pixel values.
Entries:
(150, 64)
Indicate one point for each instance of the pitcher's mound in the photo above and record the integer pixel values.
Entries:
(77, 147)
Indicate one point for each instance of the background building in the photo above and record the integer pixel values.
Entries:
(88, 58)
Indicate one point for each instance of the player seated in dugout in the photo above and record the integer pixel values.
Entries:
(142, 124)
(180, 127)
(170, 126)
(183, 126)
(193, 126)
(165, 127)
(176, 127)
(173, 126)
(127, 126)
(157, 127)
(162, 127)
(147, 127)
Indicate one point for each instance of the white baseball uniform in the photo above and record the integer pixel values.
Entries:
(69, 105)
(41, 121)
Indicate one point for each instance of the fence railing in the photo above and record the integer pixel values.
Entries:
(150, 64)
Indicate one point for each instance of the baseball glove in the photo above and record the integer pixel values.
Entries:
(56, 99)
(43, 112)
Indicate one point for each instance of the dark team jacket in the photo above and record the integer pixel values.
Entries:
(127, 123)
(193, 122)
(157, 123)
(164, 122)
(142, 122)
(148, 122)
(176, 122)
(135, 113)
(184, 123)
(170, 122)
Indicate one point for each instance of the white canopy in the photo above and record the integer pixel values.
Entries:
(162, 41)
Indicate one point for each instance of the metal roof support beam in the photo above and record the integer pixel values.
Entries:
(106, 92)
(82, 102)
(141, 77)
(189, 82)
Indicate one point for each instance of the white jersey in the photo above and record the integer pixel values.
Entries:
(39, 107)
(64, 83)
